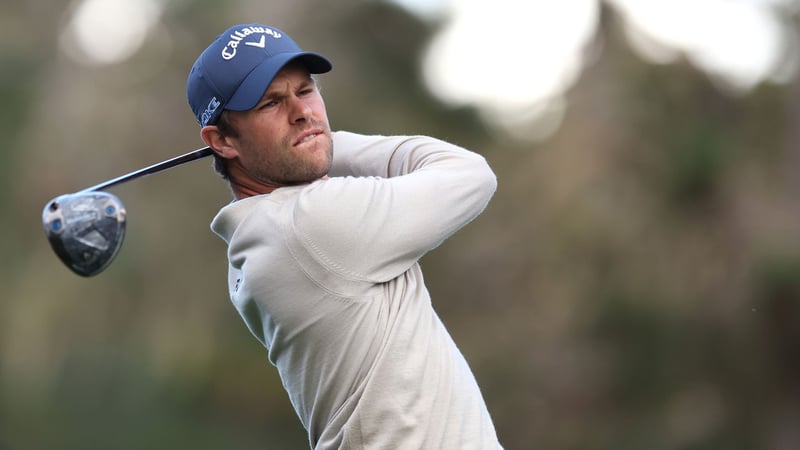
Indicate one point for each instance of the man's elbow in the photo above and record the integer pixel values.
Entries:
(487, 180)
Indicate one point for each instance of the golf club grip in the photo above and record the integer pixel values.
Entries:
(155, 168)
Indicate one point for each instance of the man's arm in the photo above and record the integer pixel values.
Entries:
(402, 197)
(381, 156)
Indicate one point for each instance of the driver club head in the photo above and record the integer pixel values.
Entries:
(85, 230)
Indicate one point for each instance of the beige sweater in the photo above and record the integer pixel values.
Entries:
(326, 277)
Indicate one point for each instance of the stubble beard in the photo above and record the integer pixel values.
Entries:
(288, 169)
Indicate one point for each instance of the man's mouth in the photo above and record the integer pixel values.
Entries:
(307, 137)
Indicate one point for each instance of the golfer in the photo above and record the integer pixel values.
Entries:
(324, 237)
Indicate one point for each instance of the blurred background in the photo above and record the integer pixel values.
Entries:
(635, 283)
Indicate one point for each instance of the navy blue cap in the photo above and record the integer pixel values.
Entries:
(238, 67)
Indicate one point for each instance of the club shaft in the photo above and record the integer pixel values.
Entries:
(155, 168)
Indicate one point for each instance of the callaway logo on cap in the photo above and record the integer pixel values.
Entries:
(236, 69)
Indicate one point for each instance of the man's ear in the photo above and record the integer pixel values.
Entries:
(218, 142)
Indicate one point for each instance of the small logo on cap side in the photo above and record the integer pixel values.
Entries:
(229, 51)
(209, 112)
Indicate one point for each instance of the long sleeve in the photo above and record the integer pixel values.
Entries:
(410, 194)
(325, 277)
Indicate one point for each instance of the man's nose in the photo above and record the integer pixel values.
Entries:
(300, 110)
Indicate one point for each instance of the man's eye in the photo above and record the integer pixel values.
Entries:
(268, 104)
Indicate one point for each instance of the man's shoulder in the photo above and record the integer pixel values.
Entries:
(231, 216)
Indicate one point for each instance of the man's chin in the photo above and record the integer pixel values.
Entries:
(310, 178)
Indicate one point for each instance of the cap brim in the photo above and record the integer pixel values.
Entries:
(252, 89)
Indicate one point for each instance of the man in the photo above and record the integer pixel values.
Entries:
(324, 235)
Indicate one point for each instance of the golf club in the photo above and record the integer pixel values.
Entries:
(86, 228)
